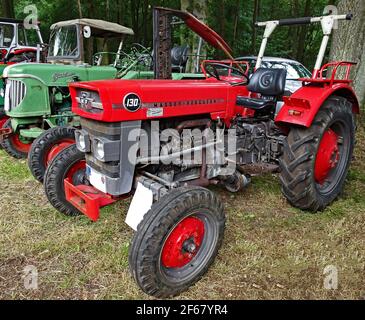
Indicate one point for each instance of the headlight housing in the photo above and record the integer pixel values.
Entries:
(82, 141)
(99, 149)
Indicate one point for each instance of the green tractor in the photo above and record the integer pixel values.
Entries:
(37, 96)
(17, 44)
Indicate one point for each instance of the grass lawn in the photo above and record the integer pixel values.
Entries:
(271, 251)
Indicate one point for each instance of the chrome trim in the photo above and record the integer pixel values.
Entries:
(15, 94)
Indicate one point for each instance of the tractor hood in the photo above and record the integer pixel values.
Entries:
(58, 75)
(208, 34)
(126, 100)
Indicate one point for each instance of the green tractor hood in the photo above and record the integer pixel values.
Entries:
(30, 86)
(59, 75)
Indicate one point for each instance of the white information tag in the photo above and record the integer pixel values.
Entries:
(142, 202)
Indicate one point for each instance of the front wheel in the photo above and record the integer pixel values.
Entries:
(48, 145)
(69, 163)
(3, 120)
(177, 241)
(316, 160)
(15, 145)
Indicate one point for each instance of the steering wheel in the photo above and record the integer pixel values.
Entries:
(215, 73)
(143, 50)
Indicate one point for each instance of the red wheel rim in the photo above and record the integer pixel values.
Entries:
(57, 148)
(18, 144)
(183, 243)
(80, 165)
(328, 156)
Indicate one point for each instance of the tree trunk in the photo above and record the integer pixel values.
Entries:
(303, 33)
(9, 8)
(349, 43)
(80, 8)
(294, 32)
(89, 43)
(145, 23)
(254, 20)
(107, 10)
(236, 18)
(222, 19)
(199, 8)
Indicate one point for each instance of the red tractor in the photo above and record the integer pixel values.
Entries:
(165, 142)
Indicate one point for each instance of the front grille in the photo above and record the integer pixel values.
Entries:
(118, 165)
(14, 94)
(89, 101)
(110, 131)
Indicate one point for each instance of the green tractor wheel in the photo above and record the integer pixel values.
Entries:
(15, 145)
(46, 147)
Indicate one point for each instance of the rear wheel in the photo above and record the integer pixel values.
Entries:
(46, 147)
(69, 163)
(15, 145)
(177, 241)
(316, 159)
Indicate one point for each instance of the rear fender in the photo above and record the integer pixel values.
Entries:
(302, 107)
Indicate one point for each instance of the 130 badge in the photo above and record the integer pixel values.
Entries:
(132, 102)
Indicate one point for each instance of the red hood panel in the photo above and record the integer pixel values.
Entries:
(159, 98)
(208, 34)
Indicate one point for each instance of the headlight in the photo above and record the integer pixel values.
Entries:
(82, 141)
(99, 149)
(2, 92)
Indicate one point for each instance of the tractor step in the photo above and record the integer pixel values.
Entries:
(87, 199)
(4, 133)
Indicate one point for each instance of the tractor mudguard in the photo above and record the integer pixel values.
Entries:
(303, 105)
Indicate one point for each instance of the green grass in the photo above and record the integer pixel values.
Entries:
(271, 250)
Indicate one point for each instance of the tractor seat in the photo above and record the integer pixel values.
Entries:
(254, 103)
(269, 84)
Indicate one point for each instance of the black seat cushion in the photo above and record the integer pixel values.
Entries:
(253, 103)
(268, 82)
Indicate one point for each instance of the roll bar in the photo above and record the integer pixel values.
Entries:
(327, 23)
(304, 20)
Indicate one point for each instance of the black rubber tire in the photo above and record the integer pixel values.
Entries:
(300, 152)
(9, 147)
(40, 147)
(148, 241)
(55, 176)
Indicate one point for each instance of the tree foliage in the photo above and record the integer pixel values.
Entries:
(233, 19)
